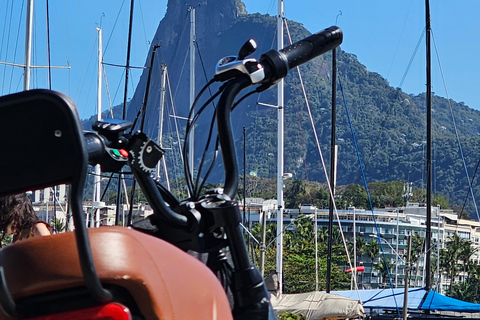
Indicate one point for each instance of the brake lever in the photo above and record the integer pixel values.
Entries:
(231, 66)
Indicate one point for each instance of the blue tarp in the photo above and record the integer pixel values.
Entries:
(418, 299)
(439, 302)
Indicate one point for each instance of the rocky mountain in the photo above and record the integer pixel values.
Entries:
(389, 125)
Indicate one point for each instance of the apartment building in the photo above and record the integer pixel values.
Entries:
(393, 226)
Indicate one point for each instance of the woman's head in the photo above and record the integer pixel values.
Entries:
(16, 214)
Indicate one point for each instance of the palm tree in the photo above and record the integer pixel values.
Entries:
(456, 249)
(418, 248)
(474, 281)
(384, 267)
(372, 249)
(466, 253)
(322, 235)
(361, 245)
(361, 248)
(466, 290)
(58, 225)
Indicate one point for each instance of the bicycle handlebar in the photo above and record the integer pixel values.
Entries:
(277, 63)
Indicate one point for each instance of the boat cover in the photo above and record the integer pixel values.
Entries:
(418, 299)
(439, 302)
(317, 305)
(385, 298)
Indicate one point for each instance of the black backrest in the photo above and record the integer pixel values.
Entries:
(41, 141)
(42, 144)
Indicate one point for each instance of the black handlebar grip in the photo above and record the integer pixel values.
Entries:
(95, 147)
(313, 46)
(277, 63)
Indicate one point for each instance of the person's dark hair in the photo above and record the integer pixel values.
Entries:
(17, 211)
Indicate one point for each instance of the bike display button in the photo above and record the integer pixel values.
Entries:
(124, 153)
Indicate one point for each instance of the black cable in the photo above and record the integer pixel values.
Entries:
(212, 165)
(469, 187)
(202, 161)
(180, 36)
(114, 26)
(143, 109)
(218, 263)
(186, 150)
(167, 196)
(246, 95)
(191, 120)
(203, 68)
(110, 180)
(106, 187)
(198, 188)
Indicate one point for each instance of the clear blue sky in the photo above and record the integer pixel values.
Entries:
(382, 34)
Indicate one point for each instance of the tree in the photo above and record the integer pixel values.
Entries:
(299, 256)
(418, 248)
(455, 250)
(355, 195)
(419, 195)
(441, 201)
(384, 268)
(372, 249)
(386, 194)
(361, 246)
(298, 190)
(361, 249)
(58, 225)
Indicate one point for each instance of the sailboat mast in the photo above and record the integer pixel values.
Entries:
(97, 180)
(28, 45)
(192, 83)
(428, 231)
(332, 171)
(280, 142)
(125, 95)
(127, 64)
(160, 122)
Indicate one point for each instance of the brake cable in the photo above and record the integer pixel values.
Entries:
(192, 119)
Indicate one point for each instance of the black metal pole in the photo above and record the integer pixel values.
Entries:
(125, 94)
(244, 175)
(127, 65)
(332, 172)
(407, 280)
(428, 231)
(142, 125)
